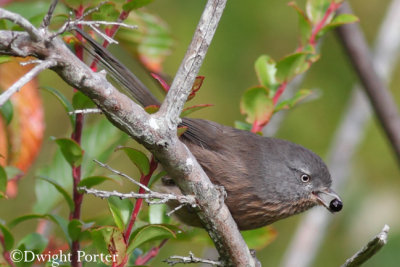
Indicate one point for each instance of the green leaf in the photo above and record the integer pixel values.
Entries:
(158, 214)
(98, 239)
(99, 141)
(106, 12)
(259, 238)
(91, 181)
(155, 177)
(316, 9)
(75, 229)
(256, 105)
(152, 109)
(3, 26)
(291, 65)
(189, 110)
(116, 245)
(338, 21)
(149, 233)
(63, 223)
(121, 210)
(305, 25)
(266, 70)
(64, 101)
(3, 182)
(152, 41)
(7, 111)
(61, 190)
(71, 150)
(81, 101)
(242, 126)
(287, 104)
(33, 242)
(47, 195)
(135, 4)
(138, 158)
(7, 237)
(181, 130)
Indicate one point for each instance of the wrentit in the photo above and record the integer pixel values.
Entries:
(266, 179)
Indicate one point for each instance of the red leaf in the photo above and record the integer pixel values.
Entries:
(196, 86)
(163, 83)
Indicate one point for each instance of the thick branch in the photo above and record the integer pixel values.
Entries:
(155, 132)
(34, 33)
(191, 63)
(369, 250)
(378, 93)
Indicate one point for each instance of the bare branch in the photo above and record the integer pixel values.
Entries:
(172, 260)
(145, 188)
(25, 79)
(191, 63)
(378, 93)
(311, 231)
(153, 198)
(49, 15)
(157, 132)
(86, 111)
(369, 250)
(71, 25)
(34, 33)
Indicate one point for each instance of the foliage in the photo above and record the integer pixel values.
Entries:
(71, 166)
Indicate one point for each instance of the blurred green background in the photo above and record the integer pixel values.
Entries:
(247, 30)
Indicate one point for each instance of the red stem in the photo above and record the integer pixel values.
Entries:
(111, 32)
(76, 170)
(6, 254)
(150, 254)
(144, 179)
(332, 8)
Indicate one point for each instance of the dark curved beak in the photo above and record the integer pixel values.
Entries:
(329, 199)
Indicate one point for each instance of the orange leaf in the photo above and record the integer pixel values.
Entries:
(25, 132)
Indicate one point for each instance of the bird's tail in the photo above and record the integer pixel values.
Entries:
(121, 73)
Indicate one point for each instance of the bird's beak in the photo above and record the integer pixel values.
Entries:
(329, 199)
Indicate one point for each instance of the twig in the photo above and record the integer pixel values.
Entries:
(155, 132)
(72, 24)
(49, 15)
(86, 111)
(310, 233)
(24, 23)
(191, 63)
(25, 79)
(152, 198)
(172, 260)
(369, 250)
(378, 93)
(123, 175)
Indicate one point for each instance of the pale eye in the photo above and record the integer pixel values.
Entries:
(305, 178)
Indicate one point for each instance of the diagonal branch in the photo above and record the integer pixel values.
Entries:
(191, 63)
(25, 79)
(34, 33)
(378, 93)
(369, 250)
(157, 132)
(310, 233)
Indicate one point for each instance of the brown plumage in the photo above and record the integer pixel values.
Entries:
(266, 179)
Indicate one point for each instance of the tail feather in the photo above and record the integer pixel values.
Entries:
(123, 75)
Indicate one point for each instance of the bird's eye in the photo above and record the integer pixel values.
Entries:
(305, 178)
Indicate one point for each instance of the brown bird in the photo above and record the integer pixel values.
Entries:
(266, 179)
